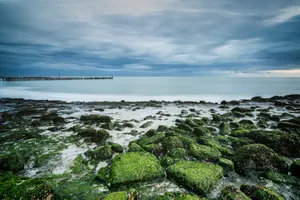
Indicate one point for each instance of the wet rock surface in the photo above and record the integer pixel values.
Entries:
(245, 149)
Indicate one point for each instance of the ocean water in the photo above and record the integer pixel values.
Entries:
(213, 89)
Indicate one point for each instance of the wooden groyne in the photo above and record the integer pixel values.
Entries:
(50, 78)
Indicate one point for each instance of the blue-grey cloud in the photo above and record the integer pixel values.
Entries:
(148, 37)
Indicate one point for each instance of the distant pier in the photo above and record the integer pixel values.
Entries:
(52, 78)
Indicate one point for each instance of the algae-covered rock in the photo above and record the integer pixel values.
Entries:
(117, 148)
(258, 157)
(153, 139)
(226, 164)
(134, 147)
(184, 127)
(122, 195)
(224, 128)
(102, 174)
(162, 128)
(201, 131)
(203, 152)
(260, 193)
(95, 118)
(282, 178)
(101, 153)
(200, 177)
(17, 187)
(178, 153)
(147, 124)
(295, 168)
(172, 142)
(134, 167)
(232, 193)
(176, 196)
(98, 136)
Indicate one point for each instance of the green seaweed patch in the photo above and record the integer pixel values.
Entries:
(200, 177)
(176, 196)
(95, 119)
(17, 187)
(205, 153)
(282, 178)
(134, 167)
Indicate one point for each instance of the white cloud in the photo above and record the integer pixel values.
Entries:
(284, 15)
(137, 67)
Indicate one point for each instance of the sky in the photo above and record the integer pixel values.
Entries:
(150, 37)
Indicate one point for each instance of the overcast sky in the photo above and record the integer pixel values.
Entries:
(150, 37)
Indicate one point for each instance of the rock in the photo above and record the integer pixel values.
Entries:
(134, 147)
(232, 193)
(128, 125)
(176, 196)
(201, 131)
(153, 139)
(200, 177)
(260, 193)
(117, 148)
(102, 174)
(134, 167)
(203, 152)
(227, 165)
(258, 157)
(95, 118)
(224, 128)
(122, 195)
(35, 123)
(172, 142)
(99, 136)
(108, 126)
(101, 153)
(162, 128)
(179, 153)
(287, 125)
(147, 124)
(240, 109)
(185, 127)
(282, 178)
(192, 110)
(18, 187)
(246, 122)
(184, 112)
(295, 168)
(280, 103)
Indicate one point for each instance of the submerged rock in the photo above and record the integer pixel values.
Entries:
(134, 167)
(258, 157)
(200, 177)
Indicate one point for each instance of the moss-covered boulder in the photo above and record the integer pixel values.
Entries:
(162, 128)
(224, 128)
(147, 124)
(102, 174)
(260, 193)
(201, 131)
(95, 118)
(232, 193)
(227, 165)
(200, 177)
(99, 136)
(17, 187)
(134, 147)
(122, 195)
(258, 157)
(205, 153)
(176, 196)
(185, 127)
(117, 148)
(101, 153)
(295, 168)
(134, 167)
(172, 142)
(282, 178)
(153, 139)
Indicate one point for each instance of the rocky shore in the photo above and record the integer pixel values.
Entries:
(235, 150)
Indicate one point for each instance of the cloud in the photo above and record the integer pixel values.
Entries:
(148, 36)
(284, 15)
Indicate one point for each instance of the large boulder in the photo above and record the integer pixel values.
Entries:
(99, 136)
(134, 167)
(200, 177)
(95, 118)
(258, 157)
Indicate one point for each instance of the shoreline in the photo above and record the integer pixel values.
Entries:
(75, 147)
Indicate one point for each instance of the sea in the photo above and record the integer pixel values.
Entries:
(213, 89)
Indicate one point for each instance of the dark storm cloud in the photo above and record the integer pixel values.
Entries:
(148, 37)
